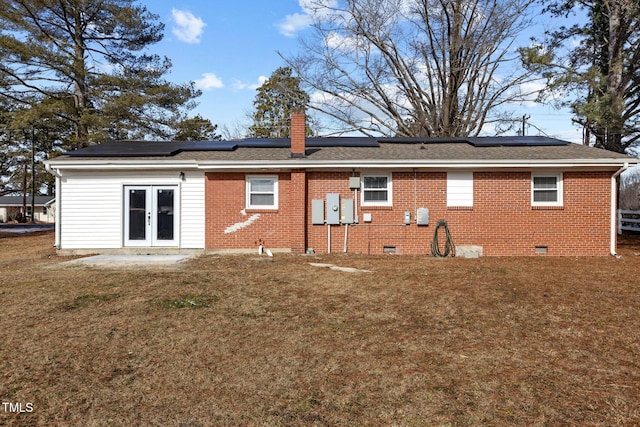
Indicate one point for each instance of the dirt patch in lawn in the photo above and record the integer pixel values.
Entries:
(232, 340)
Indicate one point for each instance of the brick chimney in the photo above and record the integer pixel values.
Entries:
(298, 135)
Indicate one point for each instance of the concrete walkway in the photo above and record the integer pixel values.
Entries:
(129, 261)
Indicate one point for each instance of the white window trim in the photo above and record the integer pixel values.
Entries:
(248, 179)
(559, 189)
(388, 202)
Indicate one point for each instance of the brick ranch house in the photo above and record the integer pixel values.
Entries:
(510, 196)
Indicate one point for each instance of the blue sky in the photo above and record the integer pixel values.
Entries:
(228, 48)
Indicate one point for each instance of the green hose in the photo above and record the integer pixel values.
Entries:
(449, 247)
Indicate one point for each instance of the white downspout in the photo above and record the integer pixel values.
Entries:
(58, 210)
(614, 205)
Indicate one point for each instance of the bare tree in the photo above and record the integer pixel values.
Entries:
(414, 67)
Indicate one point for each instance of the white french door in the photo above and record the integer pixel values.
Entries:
(150, 215)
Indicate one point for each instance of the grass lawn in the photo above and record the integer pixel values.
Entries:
(249, 341)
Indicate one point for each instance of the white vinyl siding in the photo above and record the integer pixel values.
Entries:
(546, 189)
(91, 206)
(192, 211)
(460, 189)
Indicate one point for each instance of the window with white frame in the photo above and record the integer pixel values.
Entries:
(376, 190)
(546, 189)
(262, 192)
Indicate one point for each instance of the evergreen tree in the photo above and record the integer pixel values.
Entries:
(28, 136)
(602, 71)
(83, 63)
(277, 98)
(196, 129)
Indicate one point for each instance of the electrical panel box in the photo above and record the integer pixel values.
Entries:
(346, 211)
(423, 216)
(317, 212)
(354, 182)
(333, 208)
(407, 217)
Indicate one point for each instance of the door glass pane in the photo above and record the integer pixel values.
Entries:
(165, 215)
(137, 214)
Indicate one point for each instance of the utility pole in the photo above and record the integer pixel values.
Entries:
(24, 191)
(524, 124)
(33, 175)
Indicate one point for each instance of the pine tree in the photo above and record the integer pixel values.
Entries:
(277, 98)
(196, 129)
(603, 70)
(83, 61)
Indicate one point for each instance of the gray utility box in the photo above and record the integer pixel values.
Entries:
(423, 216)
(333, 208)
(346, 216)
(354, 182)
(317, 212)
(407, 218)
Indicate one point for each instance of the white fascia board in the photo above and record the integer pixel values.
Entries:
(397, 164)
(147, 164)
(121, 164)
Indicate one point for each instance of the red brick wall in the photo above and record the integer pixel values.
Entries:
(501, 220)
(298, 133)
(504, 222)
(225, 206)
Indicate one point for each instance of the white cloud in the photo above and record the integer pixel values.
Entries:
(341, 43)
(188, 28)
(311, 9)
(318, 8)
(530, 92)
(209, 81)
(239, 85)
(294, 23)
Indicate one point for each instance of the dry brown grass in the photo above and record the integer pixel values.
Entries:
(240, 341)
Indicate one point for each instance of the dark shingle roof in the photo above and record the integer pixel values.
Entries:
(355, 149)
(394, 151)
(18, 200)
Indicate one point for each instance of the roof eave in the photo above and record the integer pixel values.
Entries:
(421, 164)
(74, 164)
(162, 164)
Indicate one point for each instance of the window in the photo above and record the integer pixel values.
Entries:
(262, 192)
(546, 190)
(376, 190)
(460, 189)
